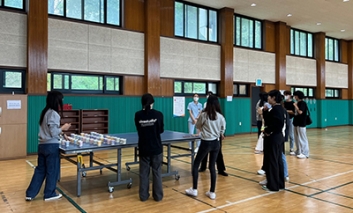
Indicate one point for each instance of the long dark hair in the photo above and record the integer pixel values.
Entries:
(263, 98)
(146, 101)
(212, 107)
(55, 102)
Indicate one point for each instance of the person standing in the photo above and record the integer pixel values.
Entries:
(194, 109)
(289, 105)
(150, 126)
(48, 161)
(274, 142)
(299, 124)
(212, 126)
(220, 162)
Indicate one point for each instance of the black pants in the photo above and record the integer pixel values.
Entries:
(220, 162)
(206, 147)
(155, 162)
(259, 125)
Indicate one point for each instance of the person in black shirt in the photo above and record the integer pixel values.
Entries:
(150, 126)
(299, 123)
(288, 104)
(274, 142)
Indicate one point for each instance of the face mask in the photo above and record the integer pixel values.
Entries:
(196, 98)
(287, 97)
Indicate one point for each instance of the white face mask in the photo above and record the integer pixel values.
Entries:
(287, 97)
(196, 98)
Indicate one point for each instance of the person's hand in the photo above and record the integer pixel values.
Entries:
(66, 126)
(295, 104)
(222, 136)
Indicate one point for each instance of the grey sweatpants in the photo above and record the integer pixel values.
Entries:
(301, 141)
(154, 162)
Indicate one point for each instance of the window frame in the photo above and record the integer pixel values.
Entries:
(10, 90)
(334, 49)
(2, 6)
(301, 88)
(293, 43)
(183, 93)
(82, 18)
(208, 9)
(103, 91)
(334, 90)
(253, 28)
(237, 85)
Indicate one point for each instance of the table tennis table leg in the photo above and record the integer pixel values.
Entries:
(79, 175)
(90, 159)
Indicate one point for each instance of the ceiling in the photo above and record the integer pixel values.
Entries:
(334, 15)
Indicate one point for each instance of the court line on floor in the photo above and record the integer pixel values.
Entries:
(64, 194)
(269, 193)
(4, 199)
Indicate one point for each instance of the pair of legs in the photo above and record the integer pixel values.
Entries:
(206, 147)
(301, 141)
(291, 134)
(154, 162)
(273, 161)
(192, 131)
(48, 163)
(220, 162)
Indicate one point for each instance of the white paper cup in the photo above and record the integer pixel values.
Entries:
(122, 140)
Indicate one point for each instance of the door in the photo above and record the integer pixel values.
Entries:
(13, 139)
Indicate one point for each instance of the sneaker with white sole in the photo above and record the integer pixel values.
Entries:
(196, 149)
(29, 198)
(287, 179)
(291, 153)
(58, 196)
(263, 182)
(261, 172)
(211, 195)
(257, 152)
(301, 156)
(191, 192)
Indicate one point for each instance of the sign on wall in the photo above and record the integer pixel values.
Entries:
(178, 106)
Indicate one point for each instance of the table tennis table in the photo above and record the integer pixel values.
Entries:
(168, 138)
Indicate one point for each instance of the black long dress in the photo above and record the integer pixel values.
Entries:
(273, 147)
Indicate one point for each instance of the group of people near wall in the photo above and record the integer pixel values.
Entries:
(280, 118)
(274, 124)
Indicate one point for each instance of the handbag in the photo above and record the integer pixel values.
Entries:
(308, 120)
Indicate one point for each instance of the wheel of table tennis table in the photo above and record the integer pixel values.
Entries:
(177, 177)
(129, 185)
(110, 189)
(128, 168)
(84, 174)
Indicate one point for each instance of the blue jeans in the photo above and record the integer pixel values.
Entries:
(192, 131)
(285, 167)
(47, 168)
(291, 134)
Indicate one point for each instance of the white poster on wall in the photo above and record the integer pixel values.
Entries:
(13, 104)
(178, 106)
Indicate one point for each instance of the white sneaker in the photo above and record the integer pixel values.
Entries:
(287, 179)
(261, 172)
(301, 156)
(292, 153)
(257, 152)
(196, 149)
(191, 192)
(58, 196)
(211, 195)
(264, 182)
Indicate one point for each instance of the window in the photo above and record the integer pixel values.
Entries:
(333, 93)
(190, 88)
(301, 43)
(195, 22)
(84, 83)
(100, 11)
(332, 50)
(240, 90)
(17, 4)
(13, 81)
(308, 91)
(248, 32)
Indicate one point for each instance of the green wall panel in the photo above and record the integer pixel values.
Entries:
(350, 110)
(337, 113)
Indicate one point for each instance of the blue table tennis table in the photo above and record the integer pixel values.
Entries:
(168, 138)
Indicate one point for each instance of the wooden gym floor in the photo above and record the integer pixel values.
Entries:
(322, 183)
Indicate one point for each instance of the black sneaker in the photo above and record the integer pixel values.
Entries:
(223, 173)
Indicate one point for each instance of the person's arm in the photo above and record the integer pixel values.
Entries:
(137, 123)
(54, 124)
(299, 107)
(161, 123)
(223, 127)
(199, 122)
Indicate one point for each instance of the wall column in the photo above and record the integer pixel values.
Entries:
(320, 79)
(226, 27)
(37, 47)
(152, 47)
(281, 53)
(350, 79)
